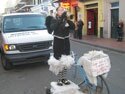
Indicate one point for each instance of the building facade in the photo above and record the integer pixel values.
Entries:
(44, 6)
(37, 2)
(91, 12)
(28, 2)
(101, 17)
(113, 13)
(24, 6)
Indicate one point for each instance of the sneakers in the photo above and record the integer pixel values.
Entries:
(63, 81)
(60, 83)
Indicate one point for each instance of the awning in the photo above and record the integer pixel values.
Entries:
(75, 3)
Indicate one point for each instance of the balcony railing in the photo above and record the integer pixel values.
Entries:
(28, 2)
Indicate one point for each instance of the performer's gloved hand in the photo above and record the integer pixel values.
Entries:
(66, 25)
(64, 16)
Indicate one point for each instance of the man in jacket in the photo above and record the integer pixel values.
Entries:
(79, 28)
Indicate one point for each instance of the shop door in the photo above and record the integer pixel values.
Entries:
(90, 22)
(114, 22)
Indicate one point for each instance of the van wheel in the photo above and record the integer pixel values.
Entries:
(5, 63)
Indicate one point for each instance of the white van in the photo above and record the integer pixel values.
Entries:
(24, 38)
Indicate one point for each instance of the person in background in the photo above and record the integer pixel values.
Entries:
(120, 30)
(75, 34)
(73, 25)
(61, 26)
(79, 28)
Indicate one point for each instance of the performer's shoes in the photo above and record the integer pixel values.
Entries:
(60, 83)
(65, 81)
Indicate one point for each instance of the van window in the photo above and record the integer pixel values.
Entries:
(24, 23)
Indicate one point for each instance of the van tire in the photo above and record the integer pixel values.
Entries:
(5, 63)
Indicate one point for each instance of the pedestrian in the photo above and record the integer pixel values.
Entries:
(120, 30)
(79, 28)
(73, 25)
(76, 30)
(61, 60)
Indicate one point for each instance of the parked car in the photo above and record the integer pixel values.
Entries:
(24, 39)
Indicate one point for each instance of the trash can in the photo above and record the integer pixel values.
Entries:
(101, 32)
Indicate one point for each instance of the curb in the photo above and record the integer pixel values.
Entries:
(108, 48)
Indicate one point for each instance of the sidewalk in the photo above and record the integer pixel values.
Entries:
(111, 44)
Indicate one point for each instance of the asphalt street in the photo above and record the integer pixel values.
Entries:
(116, 77)
(34, 78)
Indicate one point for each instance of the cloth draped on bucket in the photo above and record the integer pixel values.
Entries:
(95, 63)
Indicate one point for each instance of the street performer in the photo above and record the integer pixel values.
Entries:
(60, 26)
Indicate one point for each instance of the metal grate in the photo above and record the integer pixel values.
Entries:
(34, 46)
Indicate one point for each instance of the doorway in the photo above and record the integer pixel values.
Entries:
(76, 13)
(114, 22)
(92, 21)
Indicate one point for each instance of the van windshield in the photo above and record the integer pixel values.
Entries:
(24, 23)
